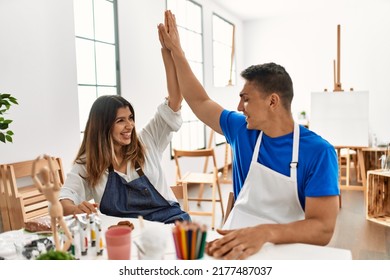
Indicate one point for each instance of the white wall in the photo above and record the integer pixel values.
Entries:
(306, 45)
(38, 67)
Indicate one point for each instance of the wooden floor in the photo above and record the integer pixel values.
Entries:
(366, 240)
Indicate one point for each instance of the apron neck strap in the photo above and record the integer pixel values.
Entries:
(294, 162)
(138, 169)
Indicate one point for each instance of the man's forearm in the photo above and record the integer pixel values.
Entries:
(309, 231)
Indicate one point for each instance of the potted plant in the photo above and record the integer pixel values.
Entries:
(6, 101)
(55, 255)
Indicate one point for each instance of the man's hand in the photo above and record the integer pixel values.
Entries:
(238, 244)
(168, 33)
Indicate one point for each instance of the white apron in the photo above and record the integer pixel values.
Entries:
(267, 196)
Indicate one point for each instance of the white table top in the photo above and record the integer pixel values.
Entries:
(269, 251)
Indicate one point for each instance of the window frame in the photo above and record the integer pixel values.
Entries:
(232, 80)
(98, 86)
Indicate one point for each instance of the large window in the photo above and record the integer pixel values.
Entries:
(189, 21)
(97, 52)
(223, 52)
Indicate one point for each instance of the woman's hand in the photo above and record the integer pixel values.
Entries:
(84, 207)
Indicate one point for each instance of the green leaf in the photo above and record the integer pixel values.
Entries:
(8, 138)
(3, 126)
(5, 95)
(2, 137)
(13, 100)
(9, 132)
(7, 121)
(5, 102)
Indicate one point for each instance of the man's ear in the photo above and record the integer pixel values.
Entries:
(274, 100)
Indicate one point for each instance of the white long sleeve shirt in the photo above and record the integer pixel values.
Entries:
(155, 136)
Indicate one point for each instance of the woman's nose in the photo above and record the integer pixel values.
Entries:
(130, 124)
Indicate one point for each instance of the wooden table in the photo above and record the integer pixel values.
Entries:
(365, 163)
(377, 198)
(296, 251)
(361, 167)
(372, 157)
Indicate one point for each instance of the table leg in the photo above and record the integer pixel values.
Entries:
(362, 167)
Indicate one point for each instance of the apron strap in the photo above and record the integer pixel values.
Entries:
(257, 147)
(138, 169)
(294, 162)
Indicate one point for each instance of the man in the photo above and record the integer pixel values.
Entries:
(285, 176)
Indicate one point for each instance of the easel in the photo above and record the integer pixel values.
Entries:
(224, 178)
(336, 72)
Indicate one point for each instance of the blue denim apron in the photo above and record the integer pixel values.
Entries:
(138, 198)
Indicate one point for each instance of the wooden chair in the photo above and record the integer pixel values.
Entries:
(347, 156)
(4, 201)
(24, 200)
(229, 205)
(198, 178)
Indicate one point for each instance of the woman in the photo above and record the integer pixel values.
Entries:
(120, 170)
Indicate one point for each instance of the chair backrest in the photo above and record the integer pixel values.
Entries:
(229, 205)
(24, 201)
(4, 201)
(205, 153)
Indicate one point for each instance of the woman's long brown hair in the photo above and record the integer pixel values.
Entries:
(97, 149)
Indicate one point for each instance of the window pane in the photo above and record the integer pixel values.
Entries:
(85, 55)
(104, 21)
(83, 18)
(222, 55)
(191, 136)
(178, 7)
(106, 91)
(194, 50)
(87, 95)
(194, 17)
(219, 139)
(105, 64)
(197, 68)
(223, 58)
(187, 113)
(222, 31)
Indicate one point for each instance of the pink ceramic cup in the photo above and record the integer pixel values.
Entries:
(118, 243)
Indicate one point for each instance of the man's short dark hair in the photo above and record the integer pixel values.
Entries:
(271, 78)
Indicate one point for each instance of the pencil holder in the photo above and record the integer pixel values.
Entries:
(190, 240)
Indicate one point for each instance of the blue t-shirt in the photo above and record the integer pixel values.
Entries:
(317, 170)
